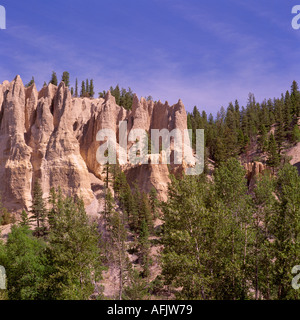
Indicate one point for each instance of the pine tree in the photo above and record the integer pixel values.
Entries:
(145, 212)
(87, 86)
(231, 193)
(76, 88)
(287, 113)
(260, 257)
(187, 239)
(54, 79)
(5, 216)
(154, 203)
(83, 89)
(66, 78)
(296, 134)
(295, 98)
(285, 228)
(117, 94)
(38, 210)
(73, 252)
(91, 88)
(273, 156)
(263, 139)
(25, 221)
(137, 288)
(118, 235)
(279, 132)
(30, 83)
(144, 246)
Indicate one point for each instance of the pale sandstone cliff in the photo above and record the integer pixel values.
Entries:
(50, 136)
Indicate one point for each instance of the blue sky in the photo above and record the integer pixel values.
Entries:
(207, 53)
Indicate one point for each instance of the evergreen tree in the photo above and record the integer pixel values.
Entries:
(145, 212)
(187, 239)
(117, 94)
(25, 221)
(87, 86)
(30, 83)
(119, 254)
(231, 191)
(154, 203)
(38, 210)
(295, 98)
(263, 139)
(54, 79)
(83, 90)
(144, 245)
(73, 252)
(66, 78)
(279, 132)
(261, 255)
(91, 88)
(137, 288)
(285, 228)
(296, 134)
(273, 156)
(76, 88)
(287, 113)
(5, 216)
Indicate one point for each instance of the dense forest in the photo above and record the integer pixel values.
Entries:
(217, 238)
(239, 130)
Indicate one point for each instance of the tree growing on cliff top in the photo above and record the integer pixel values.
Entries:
(66, 78)
(30, 83)
(54, 79)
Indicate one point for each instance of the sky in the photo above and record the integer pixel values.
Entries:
(207, 53)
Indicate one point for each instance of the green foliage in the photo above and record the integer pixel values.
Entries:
(25, 221)
(123, 97)
(67, 264)
(38, 210)
(220, 243)
(235, 131)
(25, 262)
(30, 83)
(91, 88)
(73, 252)
(76, 88)
(285, 228)
(144, 245)
(54, 79)
(118, 237)
(137, 289)
(273, 154)
(296, 134)
(5, 216)
(83, 90)
(66, 78)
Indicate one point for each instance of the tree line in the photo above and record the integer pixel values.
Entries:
(266, 127)
(124, 97)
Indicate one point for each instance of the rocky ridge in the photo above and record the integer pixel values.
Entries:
(51, 136)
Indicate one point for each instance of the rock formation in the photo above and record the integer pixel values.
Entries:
(253, 171)
(51, 136)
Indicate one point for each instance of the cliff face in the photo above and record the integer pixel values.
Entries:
(50, 136)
